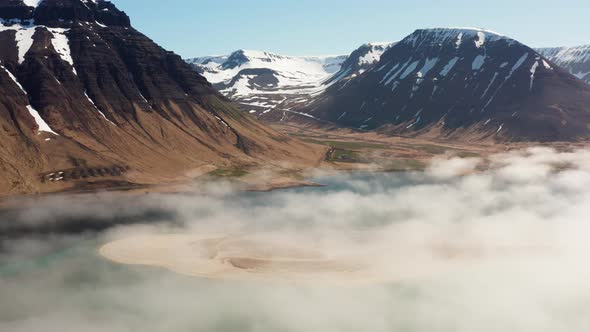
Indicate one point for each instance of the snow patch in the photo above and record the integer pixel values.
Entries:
(546, 65)
(385, 77)
(533, 71)
(447, 69)
(220, 120)
(98, 110)
(32, 3)
(481, 39)
(43, 126)
(13, 79)
(459, 40)
(518, 63)
(581, 75)
(374, 54)
(410, 69)
(61, 45)
(427, 67)
(24, 41)
(478, 62)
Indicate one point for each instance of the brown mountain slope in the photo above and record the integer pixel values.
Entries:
(111, 105)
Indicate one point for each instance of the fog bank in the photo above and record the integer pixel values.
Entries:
(474, 245)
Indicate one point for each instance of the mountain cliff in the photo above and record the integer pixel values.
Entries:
(87, 98)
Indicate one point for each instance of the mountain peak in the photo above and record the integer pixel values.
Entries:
(37, 3)
(465, 30)
(436, 36)
(456, 81)
(249, 55)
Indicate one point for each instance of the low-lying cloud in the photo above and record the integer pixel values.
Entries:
(487, 245)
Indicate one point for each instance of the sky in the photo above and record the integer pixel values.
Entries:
(194, 28)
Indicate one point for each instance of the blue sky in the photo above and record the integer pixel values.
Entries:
(321, 27)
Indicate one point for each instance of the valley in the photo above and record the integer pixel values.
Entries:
(297, 166)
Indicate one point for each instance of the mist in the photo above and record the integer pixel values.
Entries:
(495, 244)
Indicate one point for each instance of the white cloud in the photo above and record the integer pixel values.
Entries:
(467, 250)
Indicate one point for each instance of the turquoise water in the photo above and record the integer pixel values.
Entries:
(332, 184)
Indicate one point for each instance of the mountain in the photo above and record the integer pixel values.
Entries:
(463, 84)
(293, 71)
(267, 85)
(575, 59)
(262, 81)
(86, 99)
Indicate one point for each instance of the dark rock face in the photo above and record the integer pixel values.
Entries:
(64, 13)
(461, 82)
(15, 9)
(81, 89)
(262, 78)
(235, 60)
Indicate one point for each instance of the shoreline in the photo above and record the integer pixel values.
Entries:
(11, 207)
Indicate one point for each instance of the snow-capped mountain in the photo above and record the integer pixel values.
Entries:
(291, 71)
(262, 81)
(460, 82)
(575, 59)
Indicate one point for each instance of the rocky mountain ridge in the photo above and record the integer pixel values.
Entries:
(575, 59)
(83, 91)
(460, 83)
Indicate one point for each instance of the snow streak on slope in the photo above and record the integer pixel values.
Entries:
(41, 124)
(450, 81)
(61, 45)
(574, 59)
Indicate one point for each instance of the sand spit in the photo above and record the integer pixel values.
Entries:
(231, 257)
(222, 256)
